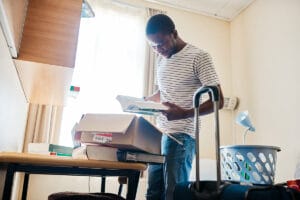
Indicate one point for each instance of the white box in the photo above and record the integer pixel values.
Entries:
(126, 132)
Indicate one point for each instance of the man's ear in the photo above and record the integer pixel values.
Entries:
(175, 34)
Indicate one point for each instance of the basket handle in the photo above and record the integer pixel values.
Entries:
(214, 91)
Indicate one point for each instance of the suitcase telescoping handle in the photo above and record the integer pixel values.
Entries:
(214, 93)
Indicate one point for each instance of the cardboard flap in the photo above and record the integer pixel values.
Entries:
(149, 125)
(105, 123)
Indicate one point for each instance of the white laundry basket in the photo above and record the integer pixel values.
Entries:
(254, 164)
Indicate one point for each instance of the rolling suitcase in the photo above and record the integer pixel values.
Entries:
(213, 190)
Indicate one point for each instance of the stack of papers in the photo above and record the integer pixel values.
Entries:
(139, 105)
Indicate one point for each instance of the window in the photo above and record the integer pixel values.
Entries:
(110, 61)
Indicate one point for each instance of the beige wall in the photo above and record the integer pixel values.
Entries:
(13, 107)
(257, 58)
(213, 35)
(265, 58)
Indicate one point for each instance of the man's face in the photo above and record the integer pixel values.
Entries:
(163, 43)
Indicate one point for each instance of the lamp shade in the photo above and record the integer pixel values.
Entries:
(244, 120)
(87, 11)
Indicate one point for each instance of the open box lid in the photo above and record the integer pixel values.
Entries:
(105, 123)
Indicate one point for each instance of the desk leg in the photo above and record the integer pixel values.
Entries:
(133, 181)
(103, 180)
(6, 181)
(25, 186)
(120, 189)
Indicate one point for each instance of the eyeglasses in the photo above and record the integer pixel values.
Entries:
(161, 42)
(157, 45)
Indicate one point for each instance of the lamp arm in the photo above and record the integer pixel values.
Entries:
(245, 133)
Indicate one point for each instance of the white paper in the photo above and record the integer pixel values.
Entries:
(139, 105)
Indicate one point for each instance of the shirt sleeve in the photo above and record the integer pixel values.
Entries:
(204, 69)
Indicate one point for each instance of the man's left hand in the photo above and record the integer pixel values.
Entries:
(174, 112)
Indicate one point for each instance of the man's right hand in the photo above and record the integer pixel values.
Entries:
(154, 97)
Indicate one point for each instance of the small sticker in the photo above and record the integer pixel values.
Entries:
(131, 156)
(102, 137)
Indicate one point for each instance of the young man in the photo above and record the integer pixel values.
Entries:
(181, 69)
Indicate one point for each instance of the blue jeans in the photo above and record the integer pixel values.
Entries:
(163, 178)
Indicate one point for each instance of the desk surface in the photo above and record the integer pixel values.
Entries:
(36, 159)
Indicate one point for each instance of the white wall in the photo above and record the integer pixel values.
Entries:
(265, 76)
(13, 107)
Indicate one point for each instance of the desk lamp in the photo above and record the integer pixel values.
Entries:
(244, 120)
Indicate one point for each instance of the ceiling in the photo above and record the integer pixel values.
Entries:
(222, 9)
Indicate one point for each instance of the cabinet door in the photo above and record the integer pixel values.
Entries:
(51, 31)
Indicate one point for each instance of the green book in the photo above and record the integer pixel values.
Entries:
(53, 149)
(61, 150)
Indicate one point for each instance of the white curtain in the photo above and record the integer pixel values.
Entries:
(110, 58)
(43, 124)
(150, 67)
(150, 85)
(110, 61)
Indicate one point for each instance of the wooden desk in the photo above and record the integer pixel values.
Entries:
(52, 165)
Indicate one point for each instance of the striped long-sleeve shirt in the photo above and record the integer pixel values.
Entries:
(178, 77)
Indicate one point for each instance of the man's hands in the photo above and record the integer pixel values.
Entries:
(176, 112)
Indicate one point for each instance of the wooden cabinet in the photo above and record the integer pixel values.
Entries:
(48, 49)
(44, 83)
(51, 31)
(12, 18)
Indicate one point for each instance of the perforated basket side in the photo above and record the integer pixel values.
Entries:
(247, 164)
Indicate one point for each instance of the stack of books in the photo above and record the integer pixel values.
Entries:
(100, 152)
(117, 137)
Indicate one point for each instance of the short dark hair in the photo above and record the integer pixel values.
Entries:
(160, 23)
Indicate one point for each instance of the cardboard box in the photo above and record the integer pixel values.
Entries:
(126, 132)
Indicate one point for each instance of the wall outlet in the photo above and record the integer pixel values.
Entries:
(230, 103)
